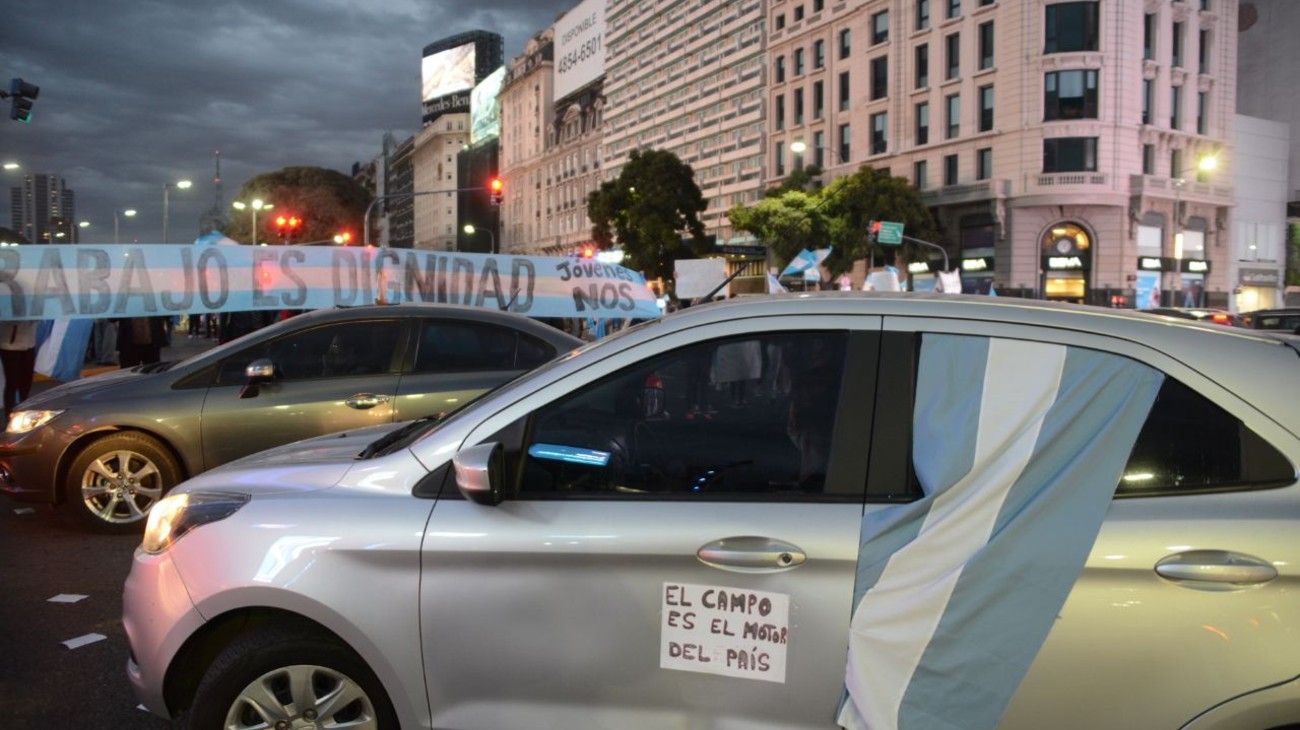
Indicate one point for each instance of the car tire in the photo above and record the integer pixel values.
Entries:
(261, 665)
(106, 498)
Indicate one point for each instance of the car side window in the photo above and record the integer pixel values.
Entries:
(450, 346)
(328, 351)
(532, 352)
(746, 417)
(1189, 444)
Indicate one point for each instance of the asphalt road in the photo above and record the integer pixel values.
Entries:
(45, 684)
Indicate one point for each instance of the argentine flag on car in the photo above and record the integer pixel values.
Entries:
(1018, 447)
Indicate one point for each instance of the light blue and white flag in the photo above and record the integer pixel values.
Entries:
(61, 347)
(774, 286)
(806, 261)
(1018, 447)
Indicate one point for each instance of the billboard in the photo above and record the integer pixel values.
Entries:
(446, 72)
(579, 47)
(484, 109)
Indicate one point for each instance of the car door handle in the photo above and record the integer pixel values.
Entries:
(1215, 569)
(362, 401)
(749, 554)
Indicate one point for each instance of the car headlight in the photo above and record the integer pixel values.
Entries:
(176, 515)
(24, 421)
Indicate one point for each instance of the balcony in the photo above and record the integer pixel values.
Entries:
(1212, 193)
(969, 193)
(1060, 179)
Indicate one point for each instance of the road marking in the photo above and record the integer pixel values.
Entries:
(67, 598)
(142, 707)
(81, 641)
(24, 510)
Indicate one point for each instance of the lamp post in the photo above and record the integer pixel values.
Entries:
(471, 230)
(254, 205)
(11, 166)
(129, 213)
(1205, 164)
(179, 185)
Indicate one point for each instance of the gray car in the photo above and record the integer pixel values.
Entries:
(110, 446)
(517, 565)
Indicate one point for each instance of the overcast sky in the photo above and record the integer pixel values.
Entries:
(136, 93)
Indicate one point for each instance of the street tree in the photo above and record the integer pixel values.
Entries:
(786, 223)
(652, 210)
(851, 202)
(327, 201)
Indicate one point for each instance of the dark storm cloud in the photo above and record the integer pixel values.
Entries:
(134, 94)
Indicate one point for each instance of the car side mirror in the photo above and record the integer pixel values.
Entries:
(479, 473)
(258, 371)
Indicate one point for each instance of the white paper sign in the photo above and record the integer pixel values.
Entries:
(735, 632)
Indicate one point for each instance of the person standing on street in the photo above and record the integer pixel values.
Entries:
(140, 340)
(18, 353)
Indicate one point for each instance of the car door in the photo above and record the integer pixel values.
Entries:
(680, 547)
(330, 377)
(1200, 495)
(457, 360)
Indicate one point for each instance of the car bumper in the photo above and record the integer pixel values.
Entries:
(158, 616)
(29, 461)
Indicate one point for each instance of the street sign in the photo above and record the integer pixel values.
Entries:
(890, 234)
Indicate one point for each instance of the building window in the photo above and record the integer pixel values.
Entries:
(1148, 159)
(778, 68)
(819, 54)
(819, 148)
(954, 8)
(819, 100)
(918, 174)
(1070, 154)
(1071, 27)
(845, 43)
(922, 14)
(950, 169)
(844, 91)
(779, 112)
(953, 60)
(798, 62)
(1175, 163)
(922, 66)
(880, 27)
(1148, 86)
(1203, 53)
(922, 123)
(953, 104)
(878, 122)
(1070, 95)
(986, 108)
(1200, 113)
(798, 107)
(1178, 45)
(986, 2)
(879, 77)
(818, 5)
(986, 45)
(779, 151)
(984, 163)
(780, 21)
(844, 144)
(1175, 101)
(1149, 36)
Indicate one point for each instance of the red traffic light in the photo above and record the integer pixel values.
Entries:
(588, 252)
(281, 221)
(496, 185)
(875, 226)
(295, 222)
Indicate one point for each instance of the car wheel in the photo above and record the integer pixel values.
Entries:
(279, 677)
(114, 481)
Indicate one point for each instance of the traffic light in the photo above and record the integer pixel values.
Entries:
(282, 227)
(873, 230)
(343, 238)
(21, 95)
(495, 187)
(588, 252)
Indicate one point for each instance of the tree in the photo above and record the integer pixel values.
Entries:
(786, 223)
(651, 210)
(326, 200)
(8, 235)
(803, 179)
(850, 203)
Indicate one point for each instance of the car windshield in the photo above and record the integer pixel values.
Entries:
(427, 427)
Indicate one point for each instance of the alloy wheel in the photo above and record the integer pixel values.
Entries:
(301, 697)
(120, 486)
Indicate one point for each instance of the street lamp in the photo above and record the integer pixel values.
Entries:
(471, 230)
(254, 205)
(1205, 164)
(129, 213)
(11, 165)
(797, 148)
(179, 185)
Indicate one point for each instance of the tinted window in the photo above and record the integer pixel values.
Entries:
(469, 347)
(330, 351)
(1070, 154)
(1188, 444)
(1071, 27)
(727, 419)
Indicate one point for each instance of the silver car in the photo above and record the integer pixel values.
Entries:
(513, 566)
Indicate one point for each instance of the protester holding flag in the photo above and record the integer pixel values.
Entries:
(18, 353)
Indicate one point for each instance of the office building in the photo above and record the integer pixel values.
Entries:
(43, 209)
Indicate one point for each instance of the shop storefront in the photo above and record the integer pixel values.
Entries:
(1257, 288)
(978, 234)
(1150, 272)
(1192, 273)
(1066, 262)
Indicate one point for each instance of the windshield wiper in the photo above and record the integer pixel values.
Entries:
(376, 447)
